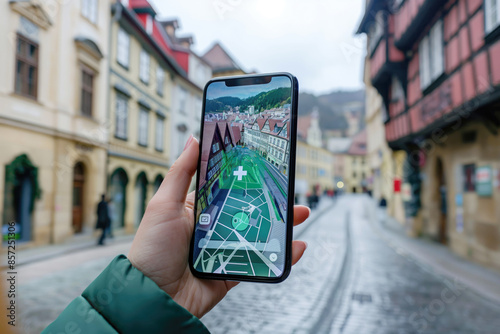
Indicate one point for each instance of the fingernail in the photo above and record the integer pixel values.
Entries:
(306, 244)
(188, 142)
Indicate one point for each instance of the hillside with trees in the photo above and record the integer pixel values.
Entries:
(263, 101)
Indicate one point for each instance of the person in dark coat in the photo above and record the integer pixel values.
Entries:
(103, 220)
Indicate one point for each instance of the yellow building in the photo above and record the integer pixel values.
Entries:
(385, 166)
(314, 169)
(139, 111)
(53, 128)
(356, 168)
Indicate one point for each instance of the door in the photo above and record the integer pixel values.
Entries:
(443, 207)
(140, 197)
(78, 195)
(118, 187)
(23, 193)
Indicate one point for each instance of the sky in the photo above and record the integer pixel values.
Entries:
(314, 40)
(219, 89)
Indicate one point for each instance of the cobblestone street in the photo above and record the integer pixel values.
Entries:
(350, 280)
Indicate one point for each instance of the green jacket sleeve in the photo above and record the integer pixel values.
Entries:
(122, 300)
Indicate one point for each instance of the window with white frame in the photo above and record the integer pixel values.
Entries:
(143, 127)
(492, 12)
(145, 60)
(397, 92)
(160, 80)
(89, 10)
(431, 52)
(149, 24)
(198, 107)
(159, 137)
(123, 48)
(121, 119)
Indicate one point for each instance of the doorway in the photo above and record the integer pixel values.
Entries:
(140, 197)
(443, 207)
(118, 188)
(21, 190)
(78, 196)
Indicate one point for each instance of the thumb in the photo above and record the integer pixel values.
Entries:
(175, 186)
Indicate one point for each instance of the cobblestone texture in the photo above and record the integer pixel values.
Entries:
(371, 288)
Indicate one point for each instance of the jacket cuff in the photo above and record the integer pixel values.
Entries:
(132, 303)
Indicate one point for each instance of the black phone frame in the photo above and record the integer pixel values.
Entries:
(291, 184)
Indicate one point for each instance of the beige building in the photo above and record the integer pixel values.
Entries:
(141, 86)
(356, 168)
(52, 136)
(314, 169)
(385, 166)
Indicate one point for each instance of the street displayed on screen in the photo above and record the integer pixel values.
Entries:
(243, 183)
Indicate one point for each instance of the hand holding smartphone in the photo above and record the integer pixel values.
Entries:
(245, 180)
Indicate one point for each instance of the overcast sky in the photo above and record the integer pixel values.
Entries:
(313, 40)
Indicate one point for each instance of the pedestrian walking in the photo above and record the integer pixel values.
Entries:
(103, 220)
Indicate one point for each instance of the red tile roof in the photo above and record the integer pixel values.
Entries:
(235, 134)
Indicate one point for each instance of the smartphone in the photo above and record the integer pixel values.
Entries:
(245, 179)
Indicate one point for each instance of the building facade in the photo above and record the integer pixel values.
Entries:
(439, 78)
(356, 168)
(314, 170)
(53, 136)
(385, 166)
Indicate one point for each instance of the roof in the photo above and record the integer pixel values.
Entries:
(142, 6)
(358, 145)
(222, 126)
(235, 134)
(303, 125)
(262, 121)
(208, 132)
(219, 59)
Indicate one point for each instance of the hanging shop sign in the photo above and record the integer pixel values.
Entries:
(484, 181)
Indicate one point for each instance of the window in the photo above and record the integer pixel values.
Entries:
(143, 127)
(431, 56)
(87, 91)
(144, 67)
(89, 10)
(182, 100)
(121, 117)
(160, 80)
(149, 24)
(492, 12)
(159, 139)
(376, 30)
(199, 107)
(26, 67)
(397, 93)
(469, 178)
(215, 147)
(123, 48)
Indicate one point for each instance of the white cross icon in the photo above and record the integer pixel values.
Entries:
(240, 173)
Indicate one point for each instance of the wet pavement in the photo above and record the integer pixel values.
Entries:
(349, 281)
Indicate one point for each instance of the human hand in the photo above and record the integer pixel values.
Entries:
(160, 249)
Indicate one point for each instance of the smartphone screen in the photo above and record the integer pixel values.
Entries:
(245, 178)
